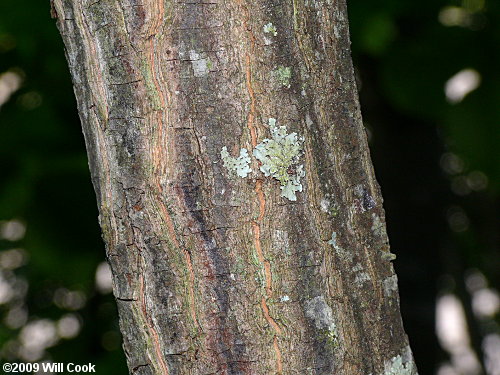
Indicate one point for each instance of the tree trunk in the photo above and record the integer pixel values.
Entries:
(242, 220)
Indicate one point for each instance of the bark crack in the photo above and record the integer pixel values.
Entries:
(187, 256)
(152, 330)
(136, 368)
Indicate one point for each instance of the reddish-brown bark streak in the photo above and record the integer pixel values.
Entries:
(262, 203)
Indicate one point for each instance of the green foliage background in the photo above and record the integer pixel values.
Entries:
(427, 153)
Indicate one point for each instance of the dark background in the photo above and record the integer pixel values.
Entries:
(437, 160)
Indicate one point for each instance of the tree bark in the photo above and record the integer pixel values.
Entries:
(222, 264)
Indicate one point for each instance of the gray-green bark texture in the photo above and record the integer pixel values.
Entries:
(223, 266)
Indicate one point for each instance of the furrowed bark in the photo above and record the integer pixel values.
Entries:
(214, 273)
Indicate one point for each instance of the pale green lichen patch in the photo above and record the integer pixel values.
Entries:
(378, 227)
(284, 298)
(309, 121)
(379, 230)
(281, 241)
(325, 205)
(401, 364)
(283, 75)
(270, 29)
(361, 276)
(240, 165)
(321, 314)
(390, 285)
(328, 207)
(279, 157)
(333, 241)
(347, 255)
(200, 65)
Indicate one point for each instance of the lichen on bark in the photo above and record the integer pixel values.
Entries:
(280, 157)
(239, 165)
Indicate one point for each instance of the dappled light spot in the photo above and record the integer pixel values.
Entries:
(30, 100)
(16, 317)
(454, 16)
(485, 300)
(10, 82)
(491, 348)
(451, 329)
(457, 219)
(447, 369)
(6, 292)
(451, 163)
(68, 326)
(477, 180)
(461, 84)
(12, 230)
(35, 337)
(12, 259)
(460, 186)
(69, 299)
(103, 280)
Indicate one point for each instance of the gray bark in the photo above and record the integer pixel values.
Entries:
(214, 270)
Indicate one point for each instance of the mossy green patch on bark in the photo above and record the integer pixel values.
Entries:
(151, 89)
(283, 75)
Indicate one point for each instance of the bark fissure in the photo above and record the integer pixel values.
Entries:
(153, 331)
